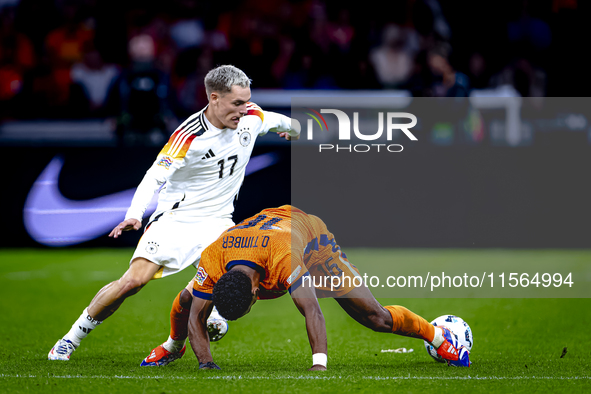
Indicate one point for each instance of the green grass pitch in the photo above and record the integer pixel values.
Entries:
(518, 342)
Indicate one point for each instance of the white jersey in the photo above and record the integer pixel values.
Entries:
(202, 167)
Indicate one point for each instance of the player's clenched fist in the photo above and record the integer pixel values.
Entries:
(126, 225)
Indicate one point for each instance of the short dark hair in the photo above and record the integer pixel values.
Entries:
(232, 294)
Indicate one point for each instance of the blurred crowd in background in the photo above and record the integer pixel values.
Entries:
(144, 62)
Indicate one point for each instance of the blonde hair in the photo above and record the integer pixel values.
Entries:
(222, 78)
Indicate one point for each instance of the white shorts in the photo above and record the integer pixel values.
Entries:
(175, 244)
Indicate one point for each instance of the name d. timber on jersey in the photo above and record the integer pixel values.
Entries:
(230, 241)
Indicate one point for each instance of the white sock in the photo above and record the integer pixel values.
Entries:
(439, 338)
(81, 328)
(172, 345)
(215, 315)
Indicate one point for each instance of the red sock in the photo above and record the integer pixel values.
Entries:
(409, 324)
(179, 320)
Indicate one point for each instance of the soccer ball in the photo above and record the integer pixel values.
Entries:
(458, 327)
(216, 328)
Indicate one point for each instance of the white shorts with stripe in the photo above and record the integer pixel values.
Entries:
(175, 243)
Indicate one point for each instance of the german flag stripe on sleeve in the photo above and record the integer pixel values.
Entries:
(253, 109)
(179, 142)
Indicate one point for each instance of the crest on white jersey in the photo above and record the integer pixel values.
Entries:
(152, 247)
(245, 138)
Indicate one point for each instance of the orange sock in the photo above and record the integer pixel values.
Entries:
(409, 324)
(179, 320)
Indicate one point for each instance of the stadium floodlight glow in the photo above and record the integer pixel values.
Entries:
(54, 220)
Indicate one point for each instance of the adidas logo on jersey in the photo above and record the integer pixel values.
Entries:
(208, 155)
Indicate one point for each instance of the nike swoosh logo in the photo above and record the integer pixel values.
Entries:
(52, 219)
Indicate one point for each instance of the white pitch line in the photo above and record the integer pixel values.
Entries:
(301, 377)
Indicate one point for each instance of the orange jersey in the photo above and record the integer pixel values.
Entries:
(283, 244)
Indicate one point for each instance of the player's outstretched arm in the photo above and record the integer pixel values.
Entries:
(286, 127)
(305, 300)
(198, 337)
(294, 132)
(126, 225)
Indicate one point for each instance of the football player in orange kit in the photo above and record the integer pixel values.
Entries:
(284, 249)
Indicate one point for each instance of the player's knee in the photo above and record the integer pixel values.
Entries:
(186, 299)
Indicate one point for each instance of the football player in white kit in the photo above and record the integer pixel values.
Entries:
(199, 173)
